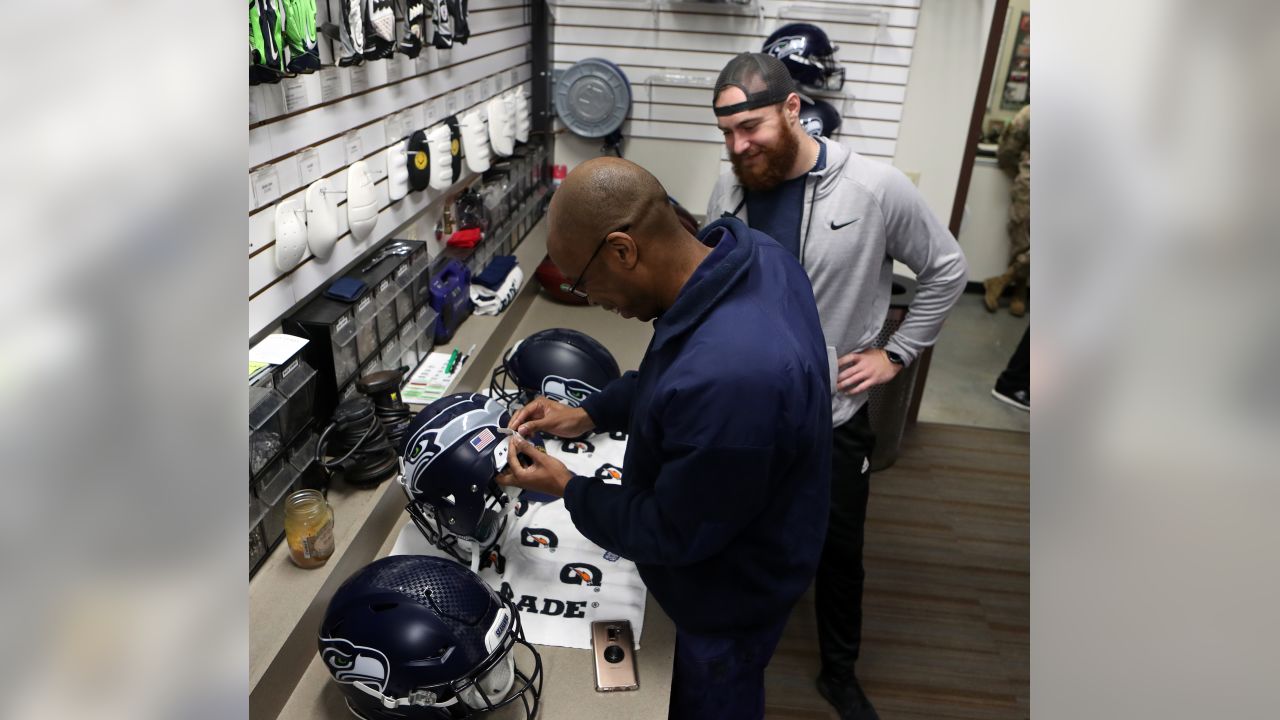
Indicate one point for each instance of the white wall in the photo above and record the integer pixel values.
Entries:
(401, 95)
(950, 43)
(671, 129)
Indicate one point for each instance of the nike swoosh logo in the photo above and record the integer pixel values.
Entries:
(834, 226)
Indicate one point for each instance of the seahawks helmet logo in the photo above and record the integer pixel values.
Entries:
(812, 125)
(569, 391)
(349, 663)
(580, 574)
(785, 47)
(538, 537)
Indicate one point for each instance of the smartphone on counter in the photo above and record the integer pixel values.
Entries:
(615, 655)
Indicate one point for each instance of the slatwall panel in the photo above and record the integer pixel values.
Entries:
(697, 39)
(316, 125)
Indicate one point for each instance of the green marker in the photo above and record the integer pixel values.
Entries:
(453, 357)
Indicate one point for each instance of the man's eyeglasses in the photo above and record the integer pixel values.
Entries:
(573, 289)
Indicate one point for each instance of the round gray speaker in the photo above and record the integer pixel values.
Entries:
(593, 97)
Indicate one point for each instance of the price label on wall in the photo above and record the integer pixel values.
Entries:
(309, 166)
(515, 76)
(451, 103)
(395, 70)
(359, 78)
(430, 113)
(486, 88)
(330, 84)
(354, 146)
(266, 185)
(470, 95)
(295, 94)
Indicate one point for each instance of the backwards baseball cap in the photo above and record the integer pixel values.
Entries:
(760, 76)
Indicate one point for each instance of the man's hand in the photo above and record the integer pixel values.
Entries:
(865, 370)
(551, 417)
(543, 474)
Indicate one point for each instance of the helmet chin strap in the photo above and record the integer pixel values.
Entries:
(417, 698)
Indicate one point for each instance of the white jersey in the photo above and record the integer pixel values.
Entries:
(559, 580)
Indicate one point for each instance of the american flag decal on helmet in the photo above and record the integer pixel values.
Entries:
(483, 439)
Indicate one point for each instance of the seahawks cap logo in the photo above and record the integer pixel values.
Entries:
(568, 391)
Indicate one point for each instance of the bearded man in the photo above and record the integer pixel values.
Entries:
(846, 218)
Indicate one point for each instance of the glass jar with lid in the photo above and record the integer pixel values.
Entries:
(308, 528)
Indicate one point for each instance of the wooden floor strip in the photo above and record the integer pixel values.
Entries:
(946, 614)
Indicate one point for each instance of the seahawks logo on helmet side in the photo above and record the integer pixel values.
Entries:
(785, 47)
(538, 537)
(580, 574)
(349, 663)
(568, 391)
(812, 125)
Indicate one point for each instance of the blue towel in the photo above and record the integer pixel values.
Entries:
(496, 272)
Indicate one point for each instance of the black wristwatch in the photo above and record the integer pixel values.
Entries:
(895, 358)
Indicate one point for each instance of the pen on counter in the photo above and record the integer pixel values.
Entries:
(448, 366)
(467, 355)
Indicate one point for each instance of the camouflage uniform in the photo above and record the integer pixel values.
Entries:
(1014, 157)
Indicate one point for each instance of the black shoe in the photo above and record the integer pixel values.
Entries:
(847, 698)
(1020, 399)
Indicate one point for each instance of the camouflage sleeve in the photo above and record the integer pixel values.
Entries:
(1015, 139)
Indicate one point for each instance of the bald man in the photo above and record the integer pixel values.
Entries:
(723, 503)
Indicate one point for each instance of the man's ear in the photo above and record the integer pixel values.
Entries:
(792, 106)
(624, 249)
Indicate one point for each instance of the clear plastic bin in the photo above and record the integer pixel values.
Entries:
(409, 335)
(391, 354)
(344, 348)
(258, 546)
(266, 438)
(272, 494)
(366, 311)
(296, 381)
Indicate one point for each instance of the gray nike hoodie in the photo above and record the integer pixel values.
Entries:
(859, 216)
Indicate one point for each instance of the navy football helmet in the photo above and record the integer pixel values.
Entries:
(453, 451)
(412, 637)
(808, 55)
(565, 365)
(819, 118)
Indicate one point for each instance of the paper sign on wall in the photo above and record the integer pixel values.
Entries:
(309, 166)
(359, 78)
(355, 148)
(295, 94)
(330, 84)
(266, 185)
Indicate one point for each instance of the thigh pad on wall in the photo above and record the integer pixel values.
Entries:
(418, 161)
(322, 219)
(501, 132)
(522, 115)
(398, 170)
(439, 139)
(291, 233)
(475, 140)
(362, 201)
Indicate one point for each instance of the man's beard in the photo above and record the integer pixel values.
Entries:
(778, 162)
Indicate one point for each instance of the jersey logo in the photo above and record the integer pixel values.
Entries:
(352, 663)
(609, 473)
(496, 560)
(834, 226)
(580, 574)
(576, 447)
(612, 556)
(538, 537)
(569, 391)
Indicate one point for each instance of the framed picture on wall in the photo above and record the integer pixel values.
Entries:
(1017, 84)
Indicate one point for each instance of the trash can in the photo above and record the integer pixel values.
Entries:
(888, 403)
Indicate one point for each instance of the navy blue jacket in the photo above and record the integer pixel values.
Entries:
(725, 490)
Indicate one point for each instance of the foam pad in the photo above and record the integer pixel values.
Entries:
(362, 201)
(398, 170)
(418, 161)
(322, 219)
(523, 120)
(455, 146)
(475, 140)
(441, 164)
(501, 131)
(291, 234)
